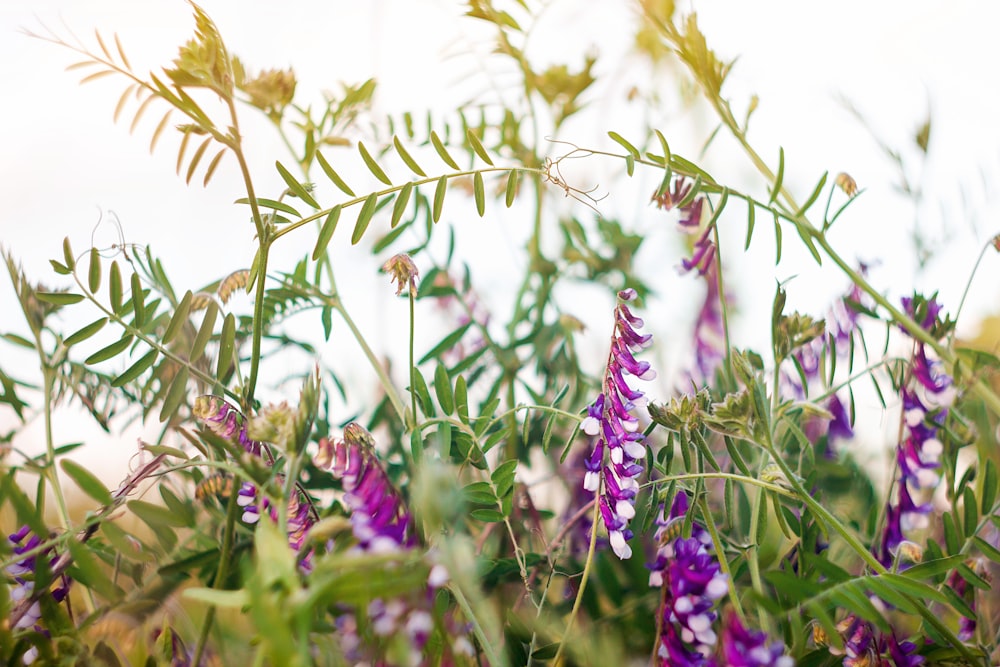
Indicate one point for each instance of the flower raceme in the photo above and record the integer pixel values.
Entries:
(610, 418)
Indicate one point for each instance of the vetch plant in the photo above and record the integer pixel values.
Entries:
(496, 492)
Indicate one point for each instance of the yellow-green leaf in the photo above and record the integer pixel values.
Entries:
(364, 218)
(333, 175)
(227, 344)
(402, 199)
(109, 351)
(59, 298)
(326, 232)
(294, 186)
(441, 151)
(372, 164)
(478, 147)
(94, 274)
(179, 318)
(86, 480)
(479, 190)
(136, 369)
(204, 331)
(115, 287)
(86, 332)
(407, 159)
(439, 192)
(511, 187)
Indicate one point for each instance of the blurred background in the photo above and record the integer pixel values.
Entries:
(844, 86)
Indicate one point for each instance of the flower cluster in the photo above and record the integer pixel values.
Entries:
(610, 418)
(742, 647)
(925, 406)
(228, 422)
(379, 518)
(690, 208)
(23, 572)
(692, 582)
(381, 524)
(865, 646)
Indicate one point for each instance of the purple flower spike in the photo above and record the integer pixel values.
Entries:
(615, 429)
(742, 647)
(926, 401)
(692, 581)
(225, 421)
(379, 519)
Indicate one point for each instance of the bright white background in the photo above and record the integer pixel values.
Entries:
(62, 160)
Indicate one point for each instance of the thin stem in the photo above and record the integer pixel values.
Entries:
(413, 364)
(595, 518)
(721, 556)
(383, 377)
(221, 572)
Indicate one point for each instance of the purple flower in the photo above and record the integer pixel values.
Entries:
(692, 582)
(225, 421)
(925, 407)
(379, 519)
(23, 572)
(709, 332)
(748, 648)
(610, 419)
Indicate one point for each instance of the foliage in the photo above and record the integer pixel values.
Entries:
(416, 532)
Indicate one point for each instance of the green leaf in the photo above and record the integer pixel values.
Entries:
(487, 515)
(503, 477)
(179, 318)
(917, 589)
(442, 387)
(446, 343)
(294, 186)
(951, 538)
(479, 190)
(204, 331)
(115, 288)
(478, 147)
(333, 175)
(618, 139)
(990, 487)
(442, 152)
(439, 192)
(815, 195)
(87, 481)
(751, 213)
(479, 493)
(629, 165)
(423, 395)
(60, 268)
(666, 149)
(932, 567)
(138, 303)
(511, 192)
(94, 273)
(68, 258)
(364, 218)
(407, 159)
(136, 369)
(462, 399)
(399, 208)
(155, 515)
(987, 549)
(971, 514)
(86, 332)
(110, 351)
(175, 394)
(778, 178)
(326, 232)
(273, 204)
(372, 164)
(223, 599)
(227, 344)
(59, 298)
(86, 570)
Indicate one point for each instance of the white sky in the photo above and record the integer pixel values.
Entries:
(63, 159)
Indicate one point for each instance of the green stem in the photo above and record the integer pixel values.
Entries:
(753, 561)
(595, 519)
(721, 555)
(413, 365)
(221, 572)
(383, 377)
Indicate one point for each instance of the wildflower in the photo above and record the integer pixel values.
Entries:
(23, 572)
(748, 648)
(709, 332)
(225, 421)
(610, 419)
(925, 407)
(379, 519)
(864, 646)
(692, 582)
(402, 271)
